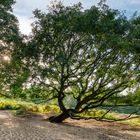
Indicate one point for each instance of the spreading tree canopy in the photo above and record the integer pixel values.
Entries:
(85, 55)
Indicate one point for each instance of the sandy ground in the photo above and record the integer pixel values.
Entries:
(15, 128)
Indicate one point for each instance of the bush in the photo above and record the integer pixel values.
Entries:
(6, 104)
(21, 106)
(48, 108)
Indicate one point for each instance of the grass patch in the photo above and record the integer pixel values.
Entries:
(99, 113)
(132, 122)
(113, 116)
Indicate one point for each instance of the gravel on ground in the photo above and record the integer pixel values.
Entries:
(16, 128)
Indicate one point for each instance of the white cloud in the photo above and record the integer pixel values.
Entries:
(23, 8)
(117, 4)
(135, 2)
(26, 6)
(25, 25)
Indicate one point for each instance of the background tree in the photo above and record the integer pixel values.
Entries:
(10, 42)
(86, 55)
(132, 98)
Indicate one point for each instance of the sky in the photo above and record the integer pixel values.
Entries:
(23, 9)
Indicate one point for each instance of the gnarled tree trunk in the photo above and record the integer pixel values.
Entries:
(60, 118)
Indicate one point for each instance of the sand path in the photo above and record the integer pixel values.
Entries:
(15, 128)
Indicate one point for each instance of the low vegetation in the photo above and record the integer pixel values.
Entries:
(24, 109)
(13, 104)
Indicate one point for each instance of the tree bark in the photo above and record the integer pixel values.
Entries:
(60, 118)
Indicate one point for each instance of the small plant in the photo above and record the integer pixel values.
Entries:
(21, 112)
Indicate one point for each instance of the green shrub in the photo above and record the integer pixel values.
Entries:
(22, 106)
(8, 105)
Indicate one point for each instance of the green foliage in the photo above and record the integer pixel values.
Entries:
(9, 33)
(134, 97)
(93, 113)
(23, 107)
(48, 109)
(131, 98)
(6, 104)
(88, 55)
(99, 113)
(133, 122)
(6, 4)
(35, 93)
(112, 116)
(10, 40)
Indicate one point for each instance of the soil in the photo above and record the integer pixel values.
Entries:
(36, 128)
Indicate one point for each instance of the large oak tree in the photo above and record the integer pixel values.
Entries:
(85, 55)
